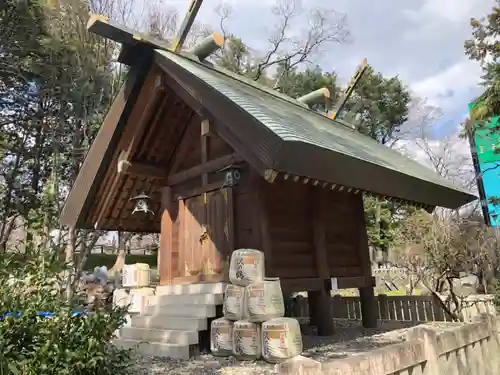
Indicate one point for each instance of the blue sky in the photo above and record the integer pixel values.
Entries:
(420, 40)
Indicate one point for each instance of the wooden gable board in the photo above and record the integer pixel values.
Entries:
(94, 166)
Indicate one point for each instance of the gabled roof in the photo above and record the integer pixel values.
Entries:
(299, 141)
(276, 134)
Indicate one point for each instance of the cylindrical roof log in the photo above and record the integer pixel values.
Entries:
(208, 46)
(96, 18)
(315, 97)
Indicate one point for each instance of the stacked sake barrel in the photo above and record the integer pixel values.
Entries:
(253, 325)
(135, 289)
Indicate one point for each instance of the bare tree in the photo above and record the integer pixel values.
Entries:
(436, 250)
(285, 46)
(448, 156)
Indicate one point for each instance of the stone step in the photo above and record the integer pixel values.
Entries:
(163, 336)
(191, 311)
(174, 351)
(186, 299)
(208, 288)
(169, 322)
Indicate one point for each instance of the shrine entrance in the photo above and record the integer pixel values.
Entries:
(201, 237)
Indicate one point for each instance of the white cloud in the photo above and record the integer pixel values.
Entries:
(457, 80)
(420, 40)
(437, 19)
(447, 10)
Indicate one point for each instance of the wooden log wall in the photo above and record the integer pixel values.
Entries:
(288, 210)
(246, 220)
(290, 213)
(341, 222)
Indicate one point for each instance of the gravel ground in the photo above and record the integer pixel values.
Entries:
(350, 339)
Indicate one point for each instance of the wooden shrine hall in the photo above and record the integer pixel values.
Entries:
(219, 162)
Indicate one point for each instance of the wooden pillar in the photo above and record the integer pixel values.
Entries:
(320, 301)
(205, 133)
(205, 243)
(258, 187)
(321, 311)
(166, 264)
(368, 307)
(369, 310)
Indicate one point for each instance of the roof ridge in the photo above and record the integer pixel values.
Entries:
(254, 84)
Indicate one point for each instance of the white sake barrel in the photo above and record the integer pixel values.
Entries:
(121, 298)
(221, 337)
(246, 266)
(139, 298)
(136, 275)
(281, 339)
(247, 343)
(264, 300)
(234, 302)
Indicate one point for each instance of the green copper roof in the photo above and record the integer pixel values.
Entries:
(288, 119)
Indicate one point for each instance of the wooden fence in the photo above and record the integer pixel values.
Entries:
(399, 308)
(470, 349)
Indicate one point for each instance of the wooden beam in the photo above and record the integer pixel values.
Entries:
(186, 25)
(107, 201)
(161, 110)
(204, 152)
(123, 163)
(207, 129)
(103, 26)
(188, 193)
(146, 170)
(148, 113)
(311, 284)
(301, 285)
(169, 212)
(137, 120)
(182, 149)
(172, 81)
(208, 167)
(81, 197)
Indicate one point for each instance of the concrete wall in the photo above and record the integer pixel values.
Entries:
(471, 349)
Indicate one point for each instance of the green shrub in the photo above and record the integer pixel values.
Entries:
(496, 299)
(62, 345)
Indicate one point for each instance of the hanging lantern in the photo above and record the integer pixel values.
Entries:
(141, 204)
(231, 175)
